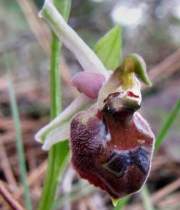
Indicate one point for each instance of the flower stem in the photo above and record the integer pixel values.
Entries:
(55, 91)
(59, 153)
(147, 203)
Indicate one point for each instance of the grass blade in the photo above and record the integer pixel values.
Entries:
(168, 122)
(19, 142)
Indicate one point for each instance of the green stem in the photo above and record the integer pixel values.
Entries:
(146, 199)
(59, 154)
(55, 91)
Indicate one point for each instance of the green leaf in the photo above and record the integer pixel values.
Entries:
(109, 48)
(19, 139)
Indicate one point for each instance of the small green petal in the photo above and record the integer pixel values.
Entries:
(135, 63)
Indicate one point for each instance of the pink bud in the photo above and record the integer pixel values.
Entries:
(88, 83)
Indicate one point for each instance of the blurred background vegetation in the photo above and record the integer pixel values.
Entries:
(150, 28)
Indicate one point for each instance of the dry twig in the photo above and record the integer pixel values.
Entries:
(157, 196)
(7, 197)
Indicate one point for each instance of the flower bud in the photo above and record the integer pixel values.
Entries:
(88, 83)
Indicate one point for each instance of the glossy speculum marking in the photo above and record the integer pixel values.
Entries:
(111, 152)
(120, 161)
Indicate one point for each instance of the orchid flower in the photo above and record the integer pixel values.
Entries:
(111, 143)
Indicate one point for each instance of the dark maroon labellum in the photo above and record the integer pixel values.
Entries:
(112, 148)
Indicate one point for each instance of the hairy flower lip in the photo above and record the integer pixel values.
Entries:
(85, 139)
